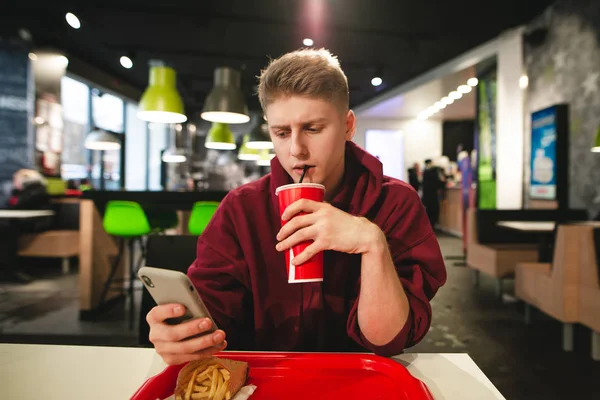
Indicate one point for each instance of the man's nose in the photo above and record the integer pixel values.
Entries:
(298, 147)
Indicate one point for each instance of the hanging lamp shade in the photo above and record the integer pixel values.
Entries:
(174, 155)
(246, 153)
(99, 139)
(220, 137)
(596, 145)
(225, 102)
(161, 102)
(259, 138)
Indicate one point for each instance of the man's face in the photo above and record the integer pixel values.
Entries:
(310, 132)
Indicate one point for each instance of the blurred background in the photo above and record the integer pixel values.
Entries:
(148, 110)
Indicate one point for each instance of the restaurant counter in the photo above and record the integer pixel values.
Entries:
(451, 212)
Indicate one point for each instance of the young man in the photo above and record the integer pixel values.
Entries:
(382, 260)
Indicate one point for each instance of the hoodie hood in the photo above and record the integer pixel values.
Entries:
(362, 181)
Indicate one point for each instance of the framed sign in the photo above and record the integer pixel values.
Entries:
(549, 153)
(542, 184)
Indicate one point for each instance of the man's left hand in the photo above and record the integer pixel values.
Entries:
(329, 228)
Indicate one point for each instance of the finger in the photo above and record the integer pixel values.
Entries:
(294, 224)
(191, 346)
(159, 313)
(302, 205)
(308, 253)
(175, 333)
(176, 359)
(302, 235)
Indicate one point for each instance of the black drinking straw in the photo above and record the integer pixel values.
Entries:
(303, 173)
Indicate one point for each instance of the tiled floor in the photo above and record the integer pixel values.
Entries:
(524, 362)
(47, 311)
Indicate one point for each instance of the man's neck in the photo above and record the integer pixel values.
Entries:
(335, 186)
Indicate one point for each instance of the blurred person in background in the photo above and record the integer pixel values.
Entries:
(414, 176)
(29, 193)
(433, 182)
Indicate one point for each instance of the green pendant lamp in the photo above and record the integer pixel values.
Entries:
(596, 146)
(220, 137)
(225, 102)
(161, 103)
(259, 138)
(246, 153)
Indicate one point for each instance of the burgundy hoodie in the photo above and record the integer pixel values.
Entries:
(242, 278)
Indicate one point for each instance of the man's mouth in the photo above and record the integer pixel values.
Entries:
(300, 169)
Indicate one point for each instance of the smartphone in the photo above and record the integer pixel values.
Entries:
(167, 286)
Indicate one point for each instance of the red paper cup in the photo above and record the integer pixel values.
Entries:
(311, 270)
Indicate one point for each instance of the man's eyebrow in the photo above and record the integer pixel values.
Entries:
(310, 122)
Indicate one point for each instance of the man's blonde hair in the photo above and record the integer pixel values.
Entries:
(312, 73)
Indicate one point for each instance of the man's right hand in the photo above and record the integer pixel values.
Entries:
(173, 343)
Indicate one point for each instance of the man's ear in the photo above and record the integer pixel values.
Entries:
(350, 125)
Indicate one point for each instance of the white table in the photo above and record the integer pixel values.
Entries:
(22, 214)
(80, 372)
(529, 226)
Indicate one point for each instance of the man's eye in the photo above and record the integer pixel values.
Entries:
(314, 130)
(281, 134)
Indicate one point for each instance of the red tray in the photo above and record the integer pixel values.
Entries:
(304, 376)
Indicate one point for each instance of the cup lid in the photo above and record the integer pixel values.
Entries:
(298, 185)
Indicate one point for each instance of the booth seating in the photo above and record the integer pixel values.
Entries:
(487, 255)
(554, 288)
(589, 290)
(495, 250)
(59, 240)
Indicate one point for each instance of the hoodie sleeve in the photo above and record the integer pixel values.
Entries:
(420, 267)
(220, 275)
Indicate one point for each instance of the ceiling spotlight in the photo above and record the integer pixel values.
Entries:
(432, 110)
(32, 56)
(423, 115)
(73, 21)
(126, 62)
(192, 128)
(455, 95)
(441, 105)
(376, 81)
(308, 42)
(473, 82)
(178, 127)
(447, 100)
(464, 89)
(524, 82)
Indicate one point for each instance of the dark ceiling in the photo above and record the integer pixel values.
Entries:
(396, 39)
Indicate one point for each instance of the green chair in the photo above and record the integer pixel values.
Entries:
(202, 213)
(127, 221)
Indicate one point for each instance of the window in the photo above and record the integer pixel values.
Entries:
(75, 97)
(107, 111)
(158, 141)
(388, 147)
(136, 155)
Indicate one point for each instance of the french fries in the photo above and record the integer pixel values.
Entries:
(210, 380)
